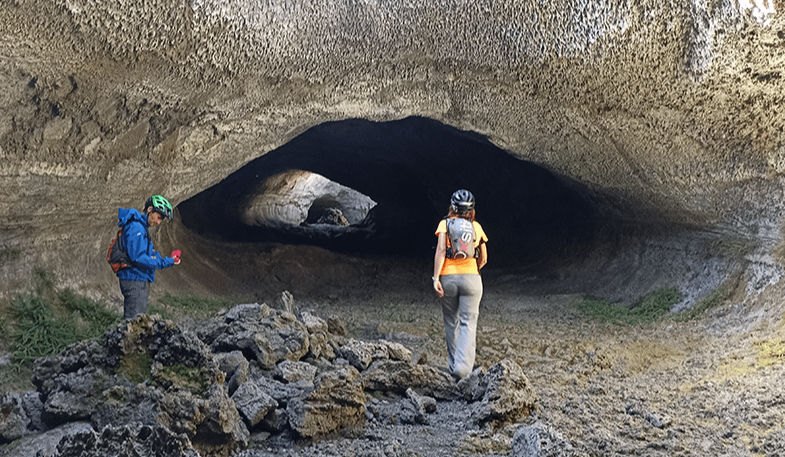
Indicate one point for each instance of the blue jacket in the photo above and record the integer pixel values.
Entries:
(137, 243)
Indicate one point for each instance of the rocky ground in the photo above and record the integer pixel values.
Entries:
(710, 386)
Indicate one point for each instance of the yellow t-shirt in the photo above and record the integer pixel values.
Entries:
(462, 266)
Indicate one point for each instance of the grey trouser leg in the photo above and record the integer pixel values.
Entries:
(460, 309)
(135, 295)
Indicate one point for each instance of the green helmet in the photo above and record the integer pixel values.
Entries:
(160, 205)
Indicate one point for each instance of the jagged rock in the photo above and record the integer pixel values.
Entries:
(269, 339)
(540, 440)
(129, 440)
(253, 403)
(174, 381)
(251, 311)
(235, 366)
(43, 444)
(13, 418)
(166, 342)
(287, 301)
(411, 410)
(275, 421)
(398, 376)
(313, 323)
(281, 392)
(127, 404)
(336, 326)
(212, 422)
(169, 345)
(507, 395)
(337, 401)
(181, 412)
(221, 432)
(34, 407)
(321, 346)
(423, 403)
(78, 355)
(295, 371)
(75, 396)
(360, 354)
(471, 387)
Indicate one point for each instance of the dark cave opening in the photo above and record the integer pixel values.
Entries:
(408, 169)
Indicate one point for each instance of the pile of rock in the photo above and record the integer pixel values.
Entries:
(150, 385)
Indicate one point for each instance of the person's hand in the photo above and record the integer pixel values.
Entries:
(176, 256)
(437, 286)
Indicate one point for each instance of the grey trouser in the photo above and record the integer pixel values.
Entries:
(460, 309)
(135, 294)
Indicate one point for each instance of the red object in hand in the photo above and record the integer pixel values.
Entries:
(176, 254)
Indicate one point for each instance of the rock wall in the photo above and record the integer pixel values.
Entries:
(668, 107)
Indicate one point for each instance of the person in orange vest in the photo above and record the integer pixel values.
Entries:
(461, 253)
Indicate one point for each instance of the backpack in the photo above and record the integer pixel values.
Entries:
(117, 257)
(461, 234)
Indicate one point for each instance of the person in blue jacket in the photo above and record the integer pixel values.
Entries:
(135, 280)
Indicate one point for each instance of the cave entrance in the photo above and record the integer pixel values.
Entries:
(302, 198)
(392, 182)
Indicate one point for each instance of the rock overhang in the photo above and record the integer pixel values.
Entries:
(663, 114)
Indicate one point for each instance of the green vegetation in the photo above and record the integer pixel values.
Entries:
(171, 306)
(45, 320)
(196, 380)
(649, 308)
(136, 367)
(652, 307)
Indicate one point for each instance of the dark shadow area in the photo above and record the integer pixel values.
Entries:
(410, 168)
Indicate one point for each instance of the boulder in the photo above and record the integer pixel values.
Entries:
(360, 354)
(235, 367)
(337, 401)
(252, 403)
(270, 339)
(397, 376)
(507, 395)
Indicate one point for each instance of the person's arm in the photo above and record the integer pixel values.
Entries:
(136, 246)
(438, 262)
(483, 258)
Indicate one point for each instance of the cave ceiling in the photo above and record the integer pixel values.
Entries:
(647, 112)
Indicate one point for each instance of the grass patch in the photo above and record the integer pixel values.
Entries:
(44, 320)
(649, 308)
(652, 307)
(172, 306)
